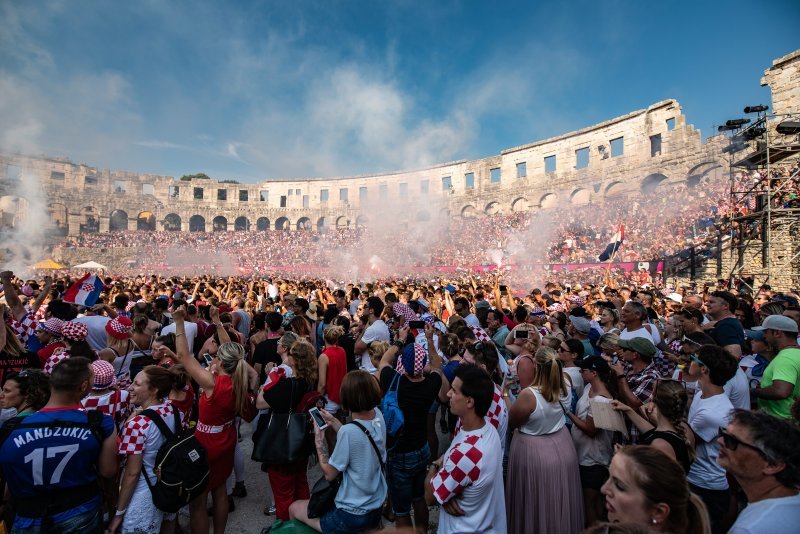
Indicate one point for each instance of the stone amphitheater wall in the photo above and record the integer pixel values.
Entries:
(641, 151)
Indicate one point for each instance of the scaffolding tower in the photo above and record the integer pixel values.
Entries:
(758, 208)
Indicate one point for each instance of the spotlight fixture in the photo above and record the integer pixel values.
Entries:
(736, 122)
(790, 127)
(733, 148)
(726, 128)
(753, 133)
(755, 109)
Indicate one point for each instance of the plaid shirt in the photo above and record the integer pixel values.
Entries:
(642, 385)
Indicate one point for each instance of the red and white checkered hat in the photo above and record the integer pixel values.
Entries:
(404, 311)
(52, 325)
(75, 331)
(119, 327)
(104, 377)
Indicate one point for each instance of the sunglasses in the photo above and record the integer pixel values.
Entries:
(698, 360)
(731, 442)
(688, 340)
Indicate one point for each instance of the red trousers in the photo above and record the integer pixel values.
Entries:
(288, 485)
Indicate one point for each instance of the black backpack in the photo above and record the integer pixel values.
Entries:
(181, 466)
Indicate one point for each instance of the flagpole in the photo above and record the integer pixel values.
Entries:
(610, 260)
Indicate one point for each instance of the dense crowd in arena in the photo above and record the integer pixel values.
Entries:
(656, 225)
(560, 408)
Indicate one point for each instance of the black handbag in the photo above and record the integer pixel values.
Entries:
(323, 493)
(282, 438)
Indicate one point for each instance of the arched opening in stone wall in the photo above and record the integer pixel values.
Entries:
(172, 223)
(614, 189)
(520, 204)
(697, 173)
(423, 216)
(219, 224)
(361, 221)
(492, 208)
(197, 223)
(262, 224)
(548, 200)
(59, 218)
(322, 224)
(146, 221)
(651, 182)
(342, 222)
(89, 221)
(304, 223)
(282, 223)
(468, 211)
(580, 196)
(119, 221)
(241, 224)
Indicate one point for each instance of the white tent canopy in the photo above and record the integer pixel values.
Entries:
(91, 265)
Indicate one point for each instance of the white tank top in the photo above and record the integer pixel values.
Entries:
(548, 417)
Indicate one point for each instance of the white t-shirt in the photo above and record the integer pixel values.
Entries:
(472, 320)
(706, 417)
(768, 516)
(647, 331)
(595, 450)
(472, 468)
(189, 328)
(738, 390)
(377, 331)
(577, 380)
(98, 337)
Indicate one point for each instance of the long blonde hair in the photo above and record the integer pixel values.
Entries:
(549, 378)
(231, 356)
(13, 346)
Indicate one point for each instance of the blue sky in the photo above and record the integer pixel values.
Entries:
(278, 89)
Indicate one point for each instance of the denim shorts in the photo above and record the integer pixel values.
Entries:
(405, 474)
(340, 522)
(89, 520)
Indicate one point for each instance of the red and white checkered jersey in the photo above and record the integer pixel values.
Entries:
(472, 468)
(140, 434)
(115, 403)
(497, 416)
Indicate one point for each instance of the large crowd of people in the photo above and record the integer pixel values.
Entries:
(559, 408)
(656, 225)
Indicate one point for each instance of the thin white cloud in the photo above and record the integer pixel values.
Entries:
(162, 145)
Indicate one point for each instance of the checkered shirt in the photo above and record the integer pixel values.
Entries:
(24, 328)
(134, 434)
(54, 360)
(459, 470)
(642, 386)
(115, 403)
(664, 365)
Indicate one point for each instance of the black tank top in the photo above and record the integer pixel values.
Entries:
(675, 441)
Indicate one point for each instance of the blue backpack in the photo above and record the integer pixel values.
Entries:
(390, 407)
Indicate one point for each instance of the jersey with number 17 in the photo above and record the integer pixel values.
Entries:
(51, 458)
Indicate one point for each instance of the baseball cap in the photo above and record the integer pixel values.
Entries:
(581, 324)
(639, 345)
(755, 335)
(778, 322)
(594, 363)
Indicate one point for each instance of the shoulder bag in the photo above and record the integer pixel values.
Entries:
(282, 438)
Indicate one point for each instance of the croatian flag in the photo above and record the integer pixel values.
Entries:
(613, 246)
(85, 291)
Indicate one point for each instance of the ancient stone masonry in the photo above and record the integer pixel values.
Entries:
(641, 151)
(783, 78)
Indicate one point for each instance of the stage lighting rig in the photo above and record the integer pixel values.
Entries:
(756, 109)
(790, 127)
(736, 123)
(753, 133)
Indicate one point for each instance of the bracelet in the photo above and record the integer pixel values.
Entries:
(120, 512)
(179, 335)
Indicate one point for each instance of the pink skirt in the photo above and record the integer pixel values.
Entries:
(543, 488)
